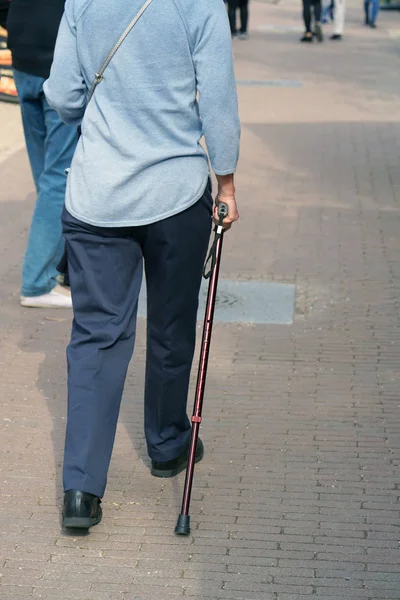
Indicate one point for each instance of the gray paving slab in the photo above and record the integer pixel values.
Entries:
(245, 302)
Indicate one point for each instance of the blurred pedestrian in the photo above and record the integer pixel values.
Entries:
(371, 8)
(32, 31)
(138, 190)
(243, 7)
(328, 11)
(338, 22)
(312, 11)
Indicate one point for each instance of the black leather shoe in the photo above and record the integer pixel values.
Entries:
(81, 510)
(175, 466)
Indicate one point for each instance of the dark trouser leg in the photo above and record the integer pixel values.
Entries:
(366, 9)
(105, 268)
(317, 10)
(307, 15)
(232, 10)
(174, 254)
(244, 15)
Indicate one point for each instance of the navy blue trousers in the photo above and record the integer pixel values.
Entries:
(105, 269)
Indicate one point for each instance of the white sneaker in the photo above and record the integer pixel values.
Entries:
(59, 297)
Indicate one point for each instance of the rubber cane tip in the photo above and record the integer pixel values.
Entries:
(183, 525)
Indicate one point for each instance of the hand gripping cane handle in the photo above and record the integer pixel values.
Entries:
(223, 211)
(212, 257)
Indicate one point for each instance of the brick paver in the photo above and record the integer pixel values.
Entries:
(298, 495)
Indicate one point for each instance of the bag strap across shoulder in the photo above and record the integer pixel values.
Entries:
(99, 75)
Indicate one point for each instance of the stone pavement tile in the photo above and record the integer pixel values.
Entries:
(145, 594)
(70, 593)
(16, 591)
(12, 137)
(164, 587)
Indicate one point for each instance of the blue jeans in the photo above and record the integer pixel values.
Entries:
(372, 14)
(51, 145)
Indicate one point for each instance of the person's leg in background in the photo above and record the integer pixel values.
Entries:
(244, 19)
(332, 10)
(51, 145)
(367, 4)
(328, 8)
(307, 37)
(174, 255)
(325, 11)
(374, 13)
(317, 6)
(338, 25)
(29, 94)
(105, 269)
(46, 243)
(232, 13)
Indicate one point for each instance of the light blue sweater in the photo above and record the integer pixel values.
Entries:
(139, 159)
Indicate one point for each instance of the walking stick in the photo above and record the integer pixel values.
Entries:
(183, 524)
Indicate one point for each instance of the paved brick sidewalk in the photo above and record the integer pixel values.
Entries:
(299, 493)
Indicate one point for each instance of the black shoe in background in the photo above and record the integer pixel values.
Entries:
(171, 468)
(307, 39)
(81, 510)
(336, 36)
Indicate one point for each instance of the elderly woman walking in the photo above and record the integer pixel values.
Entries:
(138, 192)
